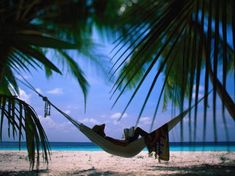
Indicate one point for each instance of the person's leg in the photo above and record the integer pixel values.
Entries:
(149, 141)
(141, 132)
(138, 131)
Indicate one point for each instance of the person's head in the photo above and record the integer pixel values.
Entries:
(99, 129)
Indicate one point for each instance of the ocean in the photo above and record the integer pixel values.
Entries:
(88, 146)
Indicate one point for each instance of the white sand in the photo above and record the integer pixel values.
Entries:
(101, 163)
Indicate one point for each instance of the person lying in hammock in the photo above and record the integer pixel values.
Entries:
(156, 141)
(99, 129)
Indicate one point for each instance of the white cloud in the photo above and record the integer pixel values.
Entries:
(67, 111)
(55, 91)
(116, 122)
(200, 88)
(90, 120)
(200, 95)
(24, 96)
(39, 90)
(145, 120)
(49, 123)
(103, 116)
(73, 107)
(117, 115)
(200, 92)
(27, 77)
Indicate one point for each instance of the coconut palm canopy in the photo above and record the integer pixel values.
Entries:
(28, 31)
(188, 42)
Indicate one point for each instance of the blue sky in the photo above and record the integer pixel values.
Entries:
(64, 92)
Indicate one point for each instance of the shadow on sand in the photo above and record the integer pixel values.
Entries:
(94, 172)
(24, 173)
(204, 169)
(88, 172)
(200, 170)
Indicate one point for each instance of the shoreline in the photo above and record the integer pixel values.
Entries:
(88, 146)
(102, 163)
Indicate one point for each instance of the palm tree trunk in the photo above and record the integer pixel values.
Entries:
(223, 94)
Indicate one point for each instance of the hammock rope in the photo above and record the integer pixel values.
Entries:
(130, 150)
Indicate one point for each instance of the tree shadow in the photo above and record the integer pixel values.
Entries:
(204, 169)
(94, 172)
(23, 173)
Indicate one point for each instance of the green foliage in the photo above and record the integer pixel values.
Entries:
(29, 32)
(27, 28)
(23, 121)
(183, 40)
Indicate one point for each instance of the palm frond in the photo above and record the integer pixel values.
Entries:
(24, 122)
(202, 47)
(28, 29)
(77, 72)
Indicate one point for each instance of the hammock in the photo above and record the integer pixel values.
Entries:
(129, 150)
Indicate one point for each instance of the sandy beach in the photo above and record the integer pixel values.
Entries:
(101, 163)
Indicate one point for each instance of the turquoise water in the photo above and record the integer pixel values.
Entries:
(87, 146)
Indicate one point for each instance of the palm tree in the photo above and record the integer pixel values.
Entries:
(28, 31)
(185, 40)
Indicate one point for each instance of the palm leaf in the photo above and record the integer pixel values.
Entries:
(143, 42)
(39, 56)
(27, 29)
(24, 121)
(77, 72)
(41, 41)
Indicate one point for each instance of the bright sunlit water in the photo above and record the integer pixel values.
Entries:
(87, 146)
